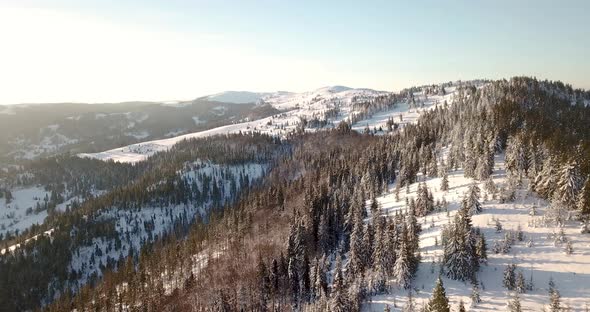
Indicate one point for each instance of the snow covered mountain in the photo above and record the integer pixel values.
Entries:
(537, 248)
(31, 131)
(238, 97)
(323, 108)
(334, 196)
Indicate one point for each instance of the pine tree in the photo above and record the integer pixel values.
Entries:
(460, 258)
(374, 207)
(439, 301)
(583, 204)
(402, 269)
(569, 248)
(554, 297)
(509, 280)
(356, 263)
(481, 247)
(569, 184)
(471, 201)
(320, 281)
(410, 305)
(475, 298)
(293, 282)
(368, 245)
(490, 186)
(264, 285)
(514, 304)
(424, 202)
(520, 283)
(444, 184)
(461, 307)
(338, 296)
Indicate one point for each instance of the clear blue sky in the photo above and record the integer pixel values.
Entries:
(102, 50)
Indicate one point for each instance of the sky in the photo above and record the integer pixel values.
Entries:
(161, 50)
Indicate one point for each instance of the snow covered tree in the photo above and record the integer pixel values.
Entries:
(517, 155)
(424, 202)
(368, 245)
(403, 267)
(460, 258)
(490, 186)
(554, 297)
(444, 184)
(338, 294)
(481, 247)
(569, 248)
(520, 283)
(374, 207)
(498, 226)
(475, 298)
(293, 282)
(546, 179)
(461, 307)
(569, 184)
(320, 282)
(356, 262)
(263, 284)
(485, 166)
(439, 301)
(410, 305)
(583, 204)
(514, 304)
(471, 200)
(509, 280)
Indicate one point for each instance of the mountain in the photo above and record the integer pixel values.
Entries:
(352, 203)
(321, 108)
(237, 97)
(33, 130)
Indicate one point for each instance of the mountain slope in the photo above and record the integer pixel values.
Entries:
(538, 256)
(309, 111)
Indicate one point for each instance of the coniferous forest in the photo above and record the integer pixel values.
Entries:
(255, 222)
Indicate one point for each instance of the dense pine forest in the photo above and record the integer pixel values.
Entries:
(251, 222)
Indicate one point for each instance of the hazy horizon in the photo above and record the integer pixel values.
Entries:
(109, 52)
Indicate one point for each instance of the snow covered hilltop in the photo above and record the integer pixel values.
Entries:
(468, 195)
(320, 109)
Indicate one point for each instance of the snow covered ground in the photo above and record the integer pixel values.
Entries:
(543, 260)
(135, 227)
(294, 107)
(16, 215)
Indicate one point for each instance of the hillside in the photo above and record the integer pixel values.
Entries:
(538, 249)
(340, 207)
(321, 109)
(29, 131)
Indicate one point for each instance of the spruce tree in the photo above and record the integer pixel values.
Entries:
(338, 295)
(554, 301)
(356, 262)
(475, 298)
(444, 184)
(460, 258)
(520, 283)
(263, 284)
(461, 307)
(514, 304)
(410, 305)
(439, 301)
(569, 184)
(509, 280)
(402, 269)
(583, 204)
(471, 200)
